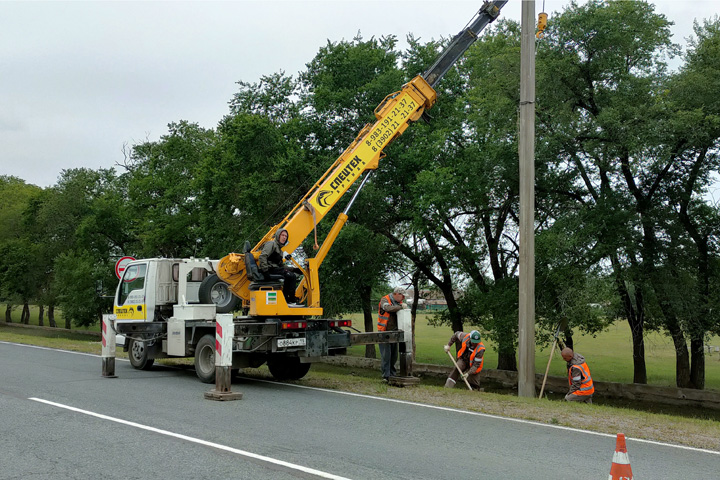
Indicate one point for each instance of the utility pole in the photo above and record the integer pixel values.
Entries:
(526, 150)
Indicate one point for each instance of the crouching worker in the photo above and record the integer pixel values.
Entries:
(581, 383)
(470, 358)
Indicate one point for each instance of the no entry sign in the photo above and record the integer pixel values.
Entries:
(121, 264)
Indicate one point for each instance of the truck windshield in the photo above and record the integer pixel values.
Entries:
(133, 281)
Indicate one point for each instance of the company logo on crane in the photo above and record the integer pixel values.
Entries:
(350, 169)
(323, 198)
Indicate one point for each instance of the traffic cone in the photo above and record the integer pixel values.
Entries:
(620, 469)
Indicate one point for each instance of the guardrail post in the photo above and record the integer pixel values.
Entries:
(405, 352)
(224, 331)
(108, 346)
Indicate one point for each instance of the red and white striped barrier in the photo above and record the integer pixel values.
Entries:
(224, 331)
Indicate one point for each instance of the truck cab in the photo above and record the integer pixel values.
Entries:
(150, 288)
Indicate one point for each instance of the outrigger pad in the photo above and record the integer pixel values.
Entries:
(403, 381)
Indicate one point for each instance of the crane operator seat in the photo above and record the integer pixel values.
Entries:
(257, 278)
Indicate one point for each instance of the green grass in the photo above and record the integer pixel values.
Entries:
(609, 354)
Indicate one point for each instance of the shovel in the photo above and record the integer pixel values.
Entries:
(459, 371)
(552, 350)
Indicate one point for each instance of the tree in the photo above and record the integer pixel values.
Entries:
(458, 187)
(83, 223)
(249, 181)
(392, 206)
(344, 83)
(163, 191)
(609, 123)
(355, 268)
(695, 127)
(19, 262)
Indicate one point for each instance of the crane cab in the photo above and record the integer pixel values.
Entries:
(266, 295)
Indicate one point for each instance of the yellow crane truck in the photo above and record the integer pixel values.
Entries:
(166, 307)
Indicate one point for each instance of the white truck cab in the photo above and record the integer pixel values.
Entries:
(150, 288)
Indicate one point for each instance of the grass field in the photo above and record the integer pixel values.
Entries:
(609, 354)
(59, 319)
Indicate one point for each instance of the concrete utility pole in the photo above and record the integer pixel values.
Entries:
(526, 147)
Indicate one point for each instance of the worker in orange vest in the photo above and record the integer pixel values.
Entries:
(581, 383)
(388, 307)
(470, 358)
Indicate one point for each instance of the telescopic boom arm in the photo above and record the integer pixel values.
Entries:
(462, 41)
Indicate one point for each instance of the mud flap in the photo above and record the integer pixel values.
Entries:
(316, 344)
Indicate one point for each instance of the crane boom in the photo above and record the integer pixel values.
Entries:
(462, 41)
(393, 116)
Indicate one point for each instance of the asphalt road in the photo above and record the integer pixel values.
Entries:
(60, 419)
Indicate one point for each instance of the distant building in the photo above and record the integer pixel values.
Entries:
(429, 300)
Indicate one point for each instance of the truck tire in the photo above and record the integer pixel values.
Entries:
(285, 367)
(138, 355)
(205, 359)
(214, 290)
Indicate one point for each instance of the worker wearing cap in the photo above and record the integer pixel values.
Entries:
(581, 383)
(470, 358)
(388, 307)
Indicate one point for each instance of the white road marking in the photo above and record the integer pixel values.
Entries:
(218, 446)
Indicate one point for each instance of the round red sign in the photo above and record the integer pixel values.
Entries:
(121, 265)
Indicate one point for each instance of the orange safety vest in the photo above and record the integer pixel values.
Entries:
(383, 316)
(479, 348)
(586, 383)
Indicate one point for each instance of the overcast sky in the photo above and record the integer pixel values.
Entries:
(79, 80)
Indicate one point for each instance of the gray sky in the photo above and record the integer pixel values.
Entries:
(79, 80)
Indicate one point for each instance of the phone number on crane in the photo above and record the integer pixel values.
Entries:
(387, 128)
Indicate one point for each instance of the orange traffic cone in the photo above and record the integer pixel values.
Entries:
(620, 469)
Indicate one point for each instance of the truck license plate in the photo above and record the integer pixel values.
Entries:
(291, 342)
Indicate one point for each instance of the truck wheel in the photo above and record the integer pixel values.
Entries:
(214, 290)
(205, 359)
(138, 354)
(284, 367)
